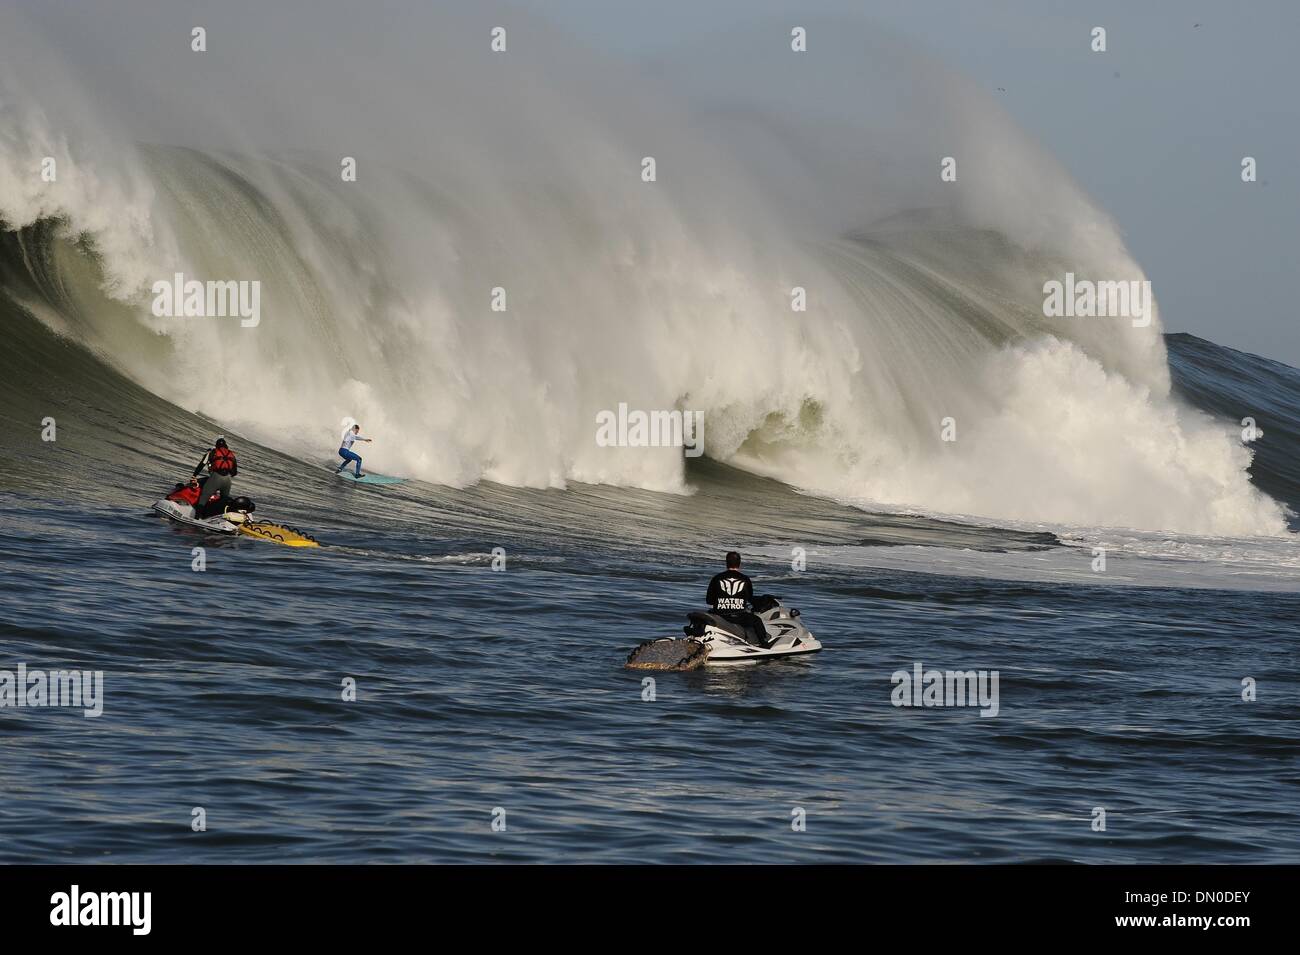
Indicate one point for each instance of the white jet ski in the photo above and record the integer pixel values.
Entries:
(785, 635)
(712, 638)
(225, 523)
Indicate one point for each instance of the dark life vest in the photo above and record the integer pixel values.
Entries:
(221, 461)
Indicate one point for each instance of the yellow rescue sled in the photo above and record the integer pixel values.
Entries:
(278, 534)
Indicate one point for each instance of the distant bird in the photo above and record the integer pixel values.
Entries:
(1195, 25)
(1002, 89)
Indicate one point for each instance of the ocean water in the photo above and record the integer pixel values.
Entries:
(480, 690)
(1101, 535)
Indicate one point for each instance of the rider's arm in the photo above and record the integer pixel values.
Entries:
(711, 596)
(202, 461)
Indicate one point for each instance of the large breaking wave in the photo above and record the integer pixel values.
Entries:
(522, 170)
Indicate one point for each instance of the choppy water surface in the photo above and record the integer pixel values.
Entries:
(480, 689)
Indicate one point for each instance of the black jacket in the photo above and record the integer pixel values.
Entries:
(730, 590)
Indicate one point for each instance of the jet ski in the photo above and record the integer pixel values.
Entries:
(233, 518)
(227, 521)
(712, 638)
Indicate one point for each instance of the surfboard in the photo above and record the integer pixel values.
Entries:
(369, 478)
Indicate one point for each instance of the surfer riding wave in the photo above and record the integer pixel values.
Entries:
(349, 456)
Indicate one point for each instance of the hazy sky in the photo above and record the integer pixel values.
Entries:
(1154, 129)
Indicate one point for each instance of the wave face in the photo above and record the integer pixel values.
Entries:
(477, 172)
(1236, 386)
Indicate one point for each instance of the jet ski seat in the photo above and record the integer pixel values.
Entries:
(700, 619)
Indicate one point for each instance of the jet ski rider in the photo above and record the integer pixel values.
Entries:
(222, 466)
(731, 594)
